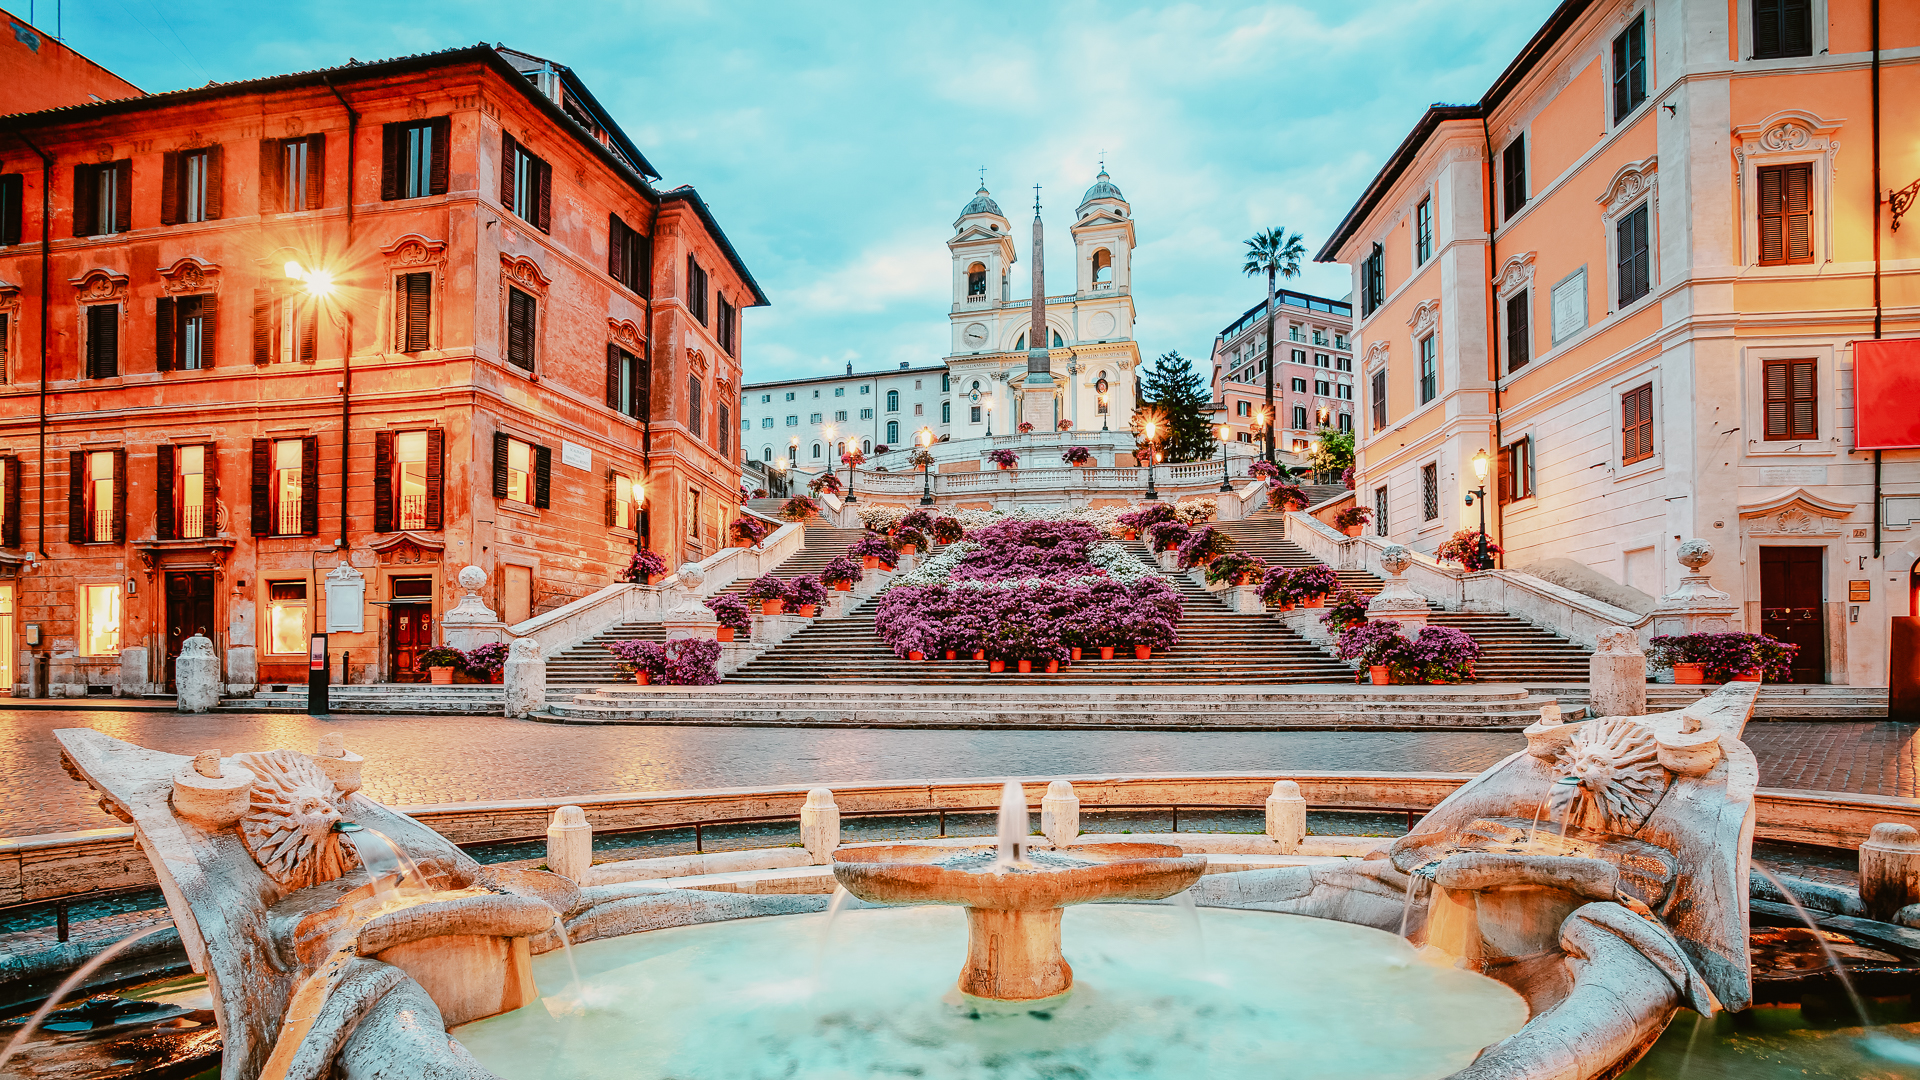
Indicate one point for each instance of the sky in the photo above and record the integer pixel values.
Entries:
(837, 143)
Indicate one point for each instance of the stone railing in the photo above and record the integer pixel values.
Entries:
(1055, 485)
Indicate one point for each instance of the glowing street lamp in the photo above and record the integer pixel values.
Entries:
(319, 283)
(1150, 429)
(1225, 434)
(925, 438)
(1103, 412)
(1480, 471)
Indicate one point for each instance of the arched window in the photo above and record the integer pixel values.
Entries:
(866, 446)
(946, 412)
(816, 451)
(1057, 343)
(893, 401)
(893, 432)
(693, 403)
(976, 382)
(977, 281)
(1021, 345)
(766, 453)
(1102, 268)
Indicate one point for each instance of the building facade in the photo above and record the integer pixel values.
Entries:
(1635, 274)
(791, 420)
(369, 324)
(1313, 384)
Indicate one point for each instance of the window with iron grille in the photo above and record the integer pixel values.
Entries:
(1380, 510)
(1429, 491)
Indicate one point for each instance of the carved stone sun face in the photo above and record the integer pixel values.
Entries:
(1620, 779)
(289, 826)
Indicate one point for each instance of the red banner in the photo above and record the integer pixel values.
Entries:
(1886, 394)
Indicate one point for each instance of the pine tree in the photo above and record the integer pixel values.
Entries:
(1172, 394)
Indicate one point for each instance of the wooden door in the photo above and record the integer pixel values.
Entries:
(1792, 603)
(516, 594)
(411, 631)
(189, 612)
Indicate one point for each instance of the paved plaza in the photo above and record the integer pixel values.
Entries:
(415, 760)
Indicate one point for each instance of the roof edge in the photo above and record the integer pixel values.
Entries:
(686, 193)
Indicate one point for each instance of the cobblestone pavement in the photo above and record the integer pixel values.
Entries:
(456, 759)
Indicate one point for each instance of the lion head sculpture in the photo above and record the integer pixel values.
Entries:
(289, 824)
(1611, 776)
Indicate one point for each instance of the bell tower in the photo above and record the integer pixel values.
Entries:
(982, 252)
(1103, 241)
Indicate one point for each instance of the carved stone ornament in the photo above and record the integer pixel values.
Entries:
(415, 250)
(524, 272)
(691, 576)
(101, 285)
(1611, 776)
(1792, 132)
(1795, 513)
(1395, 559)
(1694, 554)
(697, 359)
(1424, 318)
(188, 275)
(289, 824)
(1633, 181)
(1377, 355)
(626, 334)
(1517, 274)
(1617, 641)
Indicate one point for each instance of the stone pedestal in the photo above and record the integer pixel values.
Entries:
(695, 622)
(211, 793)
(196, 675)
(1060, 814)
(1168, 560)
(471, 623)
(525, 677)
(1696, 607)
(737, 654)
(1890, 870)
(1014, 955)
(1287, 816)
(132, 679)
(1245, 599)
(570, 843)
(341, 765)
(1397, 602)
(1617, 674)
(774, 629)
(840, 603)
(820, 826)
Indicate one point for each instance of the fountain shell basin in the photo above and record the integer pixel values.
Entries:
(922, 874)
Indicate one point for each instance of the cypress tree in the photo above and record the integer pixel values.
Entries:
(1175, 395)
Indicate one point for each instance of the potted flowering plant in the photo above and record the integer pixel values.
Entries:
(1374, 646)
(853, 458)
(1142, 520)
(770, 591)
(800, 508)
(909, 539)
(1197, 511)
(645, 568)
(914, 519)
(874, 552)
(487, 661)
(1346, 477)
(1078, 456)
(1441, 654)
(748, 531)
(686, 662)
(732, 613)
(1348, 607)
(1697, 658)
(1264, 470)
(1237, 568)
(1313, 583)
(1282, 496)
(840, 573)
(1166, 535)
(948, 530)
(1278, 590)
(1006, 459)
(805, 595)
(1026, 428)
(1352, 520)
(1463, 547)
(440, 662)
(1202, 546)
(826, 482)
(644, 660)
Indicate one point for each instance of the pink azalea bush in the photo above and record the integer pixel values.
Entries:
(644, 564)
(1077, 455)
(1726, 656)
(1440, 654)
(1344, 609)
(731, 611)
(1006, 459)
(1264, 470)
(1463, 547)
(841, 569)
(948, 530)
(1166, 535)
(1202, 546)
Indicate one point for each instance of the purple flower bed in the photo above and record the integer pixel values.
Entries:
(1346, 608)
(1440, 654)
(1020, 549)
(1149, 515)
(877, 546)
(731, 611)
(682, 662)
(1041, 621)
(1166, 535)
(767, 587)
(1202, 546)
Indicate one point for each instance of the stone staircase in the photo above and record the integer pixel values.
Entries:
(396, 699)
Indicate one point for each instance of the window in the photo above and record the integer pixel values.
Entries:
(893, 432)
(765, 398)
(973, 416)
(1243, 408)
(522, 472)
(287, 618)
(866, 414)
(526, 184)
(1339, 341)
(1293, 332)
(1344, 390)
(816, 451)
(840, 391)
(865, 389)
(1322, 387)
(1319, 336)
(627, 385)
(190, 185)
(893, 401)
(1373, 282)
(623, 501)
(1102, 269)
(728, 330)
(977, 282)
(919, 409)
(840, 416)
(1516, 471)
(1513, 176)
(766, 453)
(693, 405)
(1299, 386)
(627, 253)
(693, 513)
(413, 159)
(1299, 356)
(1422, 239)
(816, 393)
(1321, 359)
(97, 497)
(1636, 424)
(1782, 28)
(183, 332)
(1429, 368)
(184, 491)
(1378, 395)
(723, 428)
(103, 198)
(1429, 491)
(1299, 417)
(916, 384)
(1786, 213)
(1380, 511)
(946, 412)
(1635, 257)
(1346, 421)
(103, 341)
(10, 500)
(13, 194)
(1791, 401)
(793, 421)
(292, 174)
(100, 620)
(766, 421)
(812, 418)
(412, 311)
(1570, 305)
(522, 321)
(286, 487)
(1519, 341)
(1343, 363)
(1630, 68)
(866, 446)
(789, 395)
(944, 383)
(696, 291)
(408, 468)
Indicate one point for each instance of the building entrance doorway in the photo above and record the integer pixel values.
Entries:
(189, 612)
(409, 627)
(1792, 603)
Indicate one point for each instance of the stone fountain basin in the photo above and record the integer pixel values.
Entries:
(929, 874)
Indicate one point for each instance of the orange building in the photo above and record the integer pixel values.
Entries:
(1637, 274)
(38, 72)
(405, 316)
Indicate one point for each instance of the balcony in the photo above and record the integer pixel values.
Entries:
(195, 522)
(413, 511)
(287, 518)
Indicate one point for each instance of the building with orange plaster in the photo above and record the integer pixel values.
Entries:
(366, 325)
(1638, 274)
(37, 71)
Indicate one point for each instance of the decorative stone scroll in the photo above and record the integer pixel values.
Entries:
(1517, 274)
(289, 825)
(1634, 180)
(101, 285)
(1424, 318)
(188, 275)
(626, 334)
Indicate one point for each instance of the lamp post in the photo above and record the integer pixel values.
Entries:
(926, 477)
(780, 466)
(989, 419)
(1225, 434)
(1103, 412)
(1149, 430)
(1480, 471)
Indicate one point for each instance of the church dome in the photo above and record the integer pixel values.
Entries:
(982, 204)
(1103, 188)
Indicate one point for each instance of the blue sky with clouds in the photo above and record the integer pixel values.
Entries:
(837, 142)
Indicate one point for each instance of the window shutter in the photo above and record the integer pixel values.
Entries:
(1504, 485)
(1773, 225)
(1636, 425)
(612, 484)
(1643, 255)
(272, 164)
(642, 261)
(500, 441)
(1513, 178)
(400, 313)
(613, 378)
(262, 326)
(543, 207)
(1519, 334)
(1796, 28)
(77, 497)
(163, 526)
(210, 469)
(520, 325)
(616, 247)
(383, 481)
(123, 196)
(215, 172)
(317, 172)
(437, 176)
(509, 165)
(310, 486)
(86, 199)
(643, 388)
(392, 139)
(542, 476)
(164, 342)
(170, 188)
(120, 496)
(436, 478)
(10, 532)
(308, 315)
(209, 327)
(1797, 208)
(1766, 28)
(103, 341)
(1791, 400)
(260, 510)
(419, 308)
(13, 195)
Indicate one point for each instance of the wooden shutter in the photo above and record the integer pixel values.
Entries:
(500, 441)
(1513, 180)
(509, 165)
(210, 478)
(437, 174)
(308, 315)
(613, 378)
(543, 204)
(261, 508)
(1519, 334)
(123, 196)
(643, 388)
(642, 263)
(1634, 269)
(86, 199)
(1636, 425)
(1791, 400)
(170, 185)
(10, 531)
(542, 476)
(165, 343)
(215, 173)
(1786, 213)
(383, 481)
(1766, 29)
(209, 327)
(310, 486)
(436, 478)
(1504, 484)
(317, 172)
(163, 525)
(616, 248)
(120, 496)
(5, 325)
(262, 326)
(521, 315)
(13, 197)
(103, 341)
(1620, 64)
(413, 309)
(612, 485)
(1796, 28)
(77, 497)
(273, 164)
(392, 147)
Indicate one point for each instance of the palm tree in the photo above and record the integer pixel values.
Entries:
(1277, 254)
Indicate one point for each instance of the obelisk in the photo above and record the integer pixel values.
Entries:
(1037, 403)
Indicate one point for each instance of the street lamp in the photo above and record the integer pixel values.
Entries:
(1480, 470)
(1103, 412)
(989, 419)
(1225, 434)
(1149, 431)
(925, 438)
(793, 455)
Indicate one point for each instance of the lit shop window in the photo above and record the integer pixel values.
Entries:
(287, 617)
(100, 620)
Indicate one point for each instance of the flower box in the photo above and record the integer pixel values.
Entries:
(908, 549)
(440, 676)
(772, 607)
(724, 633)
(1004, 468)
(1053, 667)
(1316, 600)
(979, 654)
(1142, 652)
(950, 654)
(1356, 530)
(641, 678)
(807, 610)
(995, 667)
(1689, 674)
(1754, 675)
(869, 562)
(916, 655)
(1026, 667)
(1075, 655)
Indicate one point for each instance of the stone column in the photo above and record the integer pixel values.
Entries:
(820, 826)
(196, 675)
(1617, 674)
(570, 843)
(212, 793)
(1287, 816)
(525, 677)
(1696, 607)
(1890, 870)
(1397, 602)
(1060, 814)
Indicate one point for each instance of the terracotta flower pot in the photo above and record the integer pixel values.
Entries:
(1379, 674)
(908, 549)
(1076, 653)
(1748, 676)
(995, 667)
(1053, 667)
(843, 586)
(1130, 534)
(654, 579)
(1689, 674)
(1026, 667)
(1106, 652)
(949, 654)
(641, 678)
(979, 654)
(772, 607)
(869, 562)
(916, 655)
(1316, 600)
(743, 543)
(497, 677)
(807, 610)
(1004, 468)
(1142, 652)
(1355, 530)
(441, 676)
(725, 633)
(1284, 606)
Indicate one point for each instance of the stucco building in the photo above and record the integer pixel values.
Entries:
(1312, 383)
(1638, 273)
(504, 346)
(872, 408)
